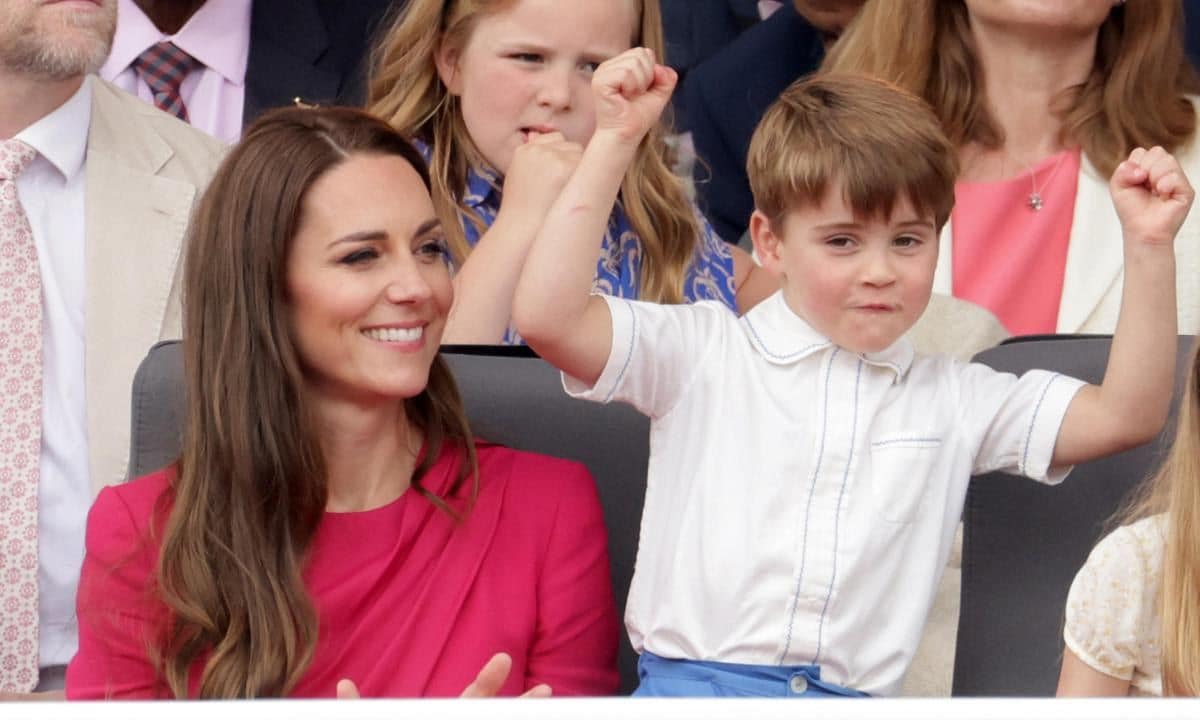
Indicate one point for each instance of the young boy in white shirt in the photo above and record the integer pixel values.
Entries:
(807, 470)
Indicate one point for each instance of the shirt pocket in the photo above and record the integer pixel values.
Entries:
(901, 470)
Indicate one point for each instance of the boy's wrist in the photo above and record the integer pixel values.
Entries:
(1152, 244)
(612, 140)
(1149, 256)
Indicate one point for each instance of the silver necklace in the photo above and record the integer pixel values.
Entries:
(1035, 201)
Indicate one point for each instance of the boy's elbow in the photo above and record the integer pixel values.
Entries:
(531, 321)
(1153, 425)
(1139, 429)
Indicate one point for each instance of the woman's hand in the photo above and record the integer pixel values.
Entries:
(1152, 196)
(631, 91)
(487, 683)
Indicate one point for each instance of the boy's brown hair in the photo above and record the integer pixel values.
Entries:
(878, 141)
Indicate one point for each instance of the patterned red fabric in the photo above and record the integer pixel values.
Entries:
(20, 427)
(163, 67)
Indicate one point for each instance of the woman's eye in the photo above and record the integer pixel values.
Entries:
(359, 257)
(433, 250)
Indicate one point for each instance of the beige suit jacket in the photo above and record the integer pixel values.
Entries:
(1094, 276)
(144, 173)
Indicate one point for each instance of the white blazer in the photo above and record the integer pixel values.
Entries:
(1091, 296)
(144, 173)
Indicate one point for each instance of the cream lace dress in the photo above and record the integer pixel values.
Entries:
(1113, 617)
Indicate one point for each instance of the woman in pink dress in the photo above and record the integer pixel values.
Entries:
(331, 518)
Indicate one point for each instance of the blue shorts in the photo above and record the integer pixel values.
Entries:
(660, 677)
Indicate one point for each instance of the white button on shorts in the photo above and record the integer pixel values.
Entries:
(798, 684)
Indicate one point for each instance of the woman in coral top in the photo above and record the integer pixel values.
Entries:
(332, 527)
(1043, 99)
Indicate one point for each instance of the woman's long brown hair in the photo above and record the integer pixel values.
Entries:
(406, 91)
(251, 482)
(1136, 95)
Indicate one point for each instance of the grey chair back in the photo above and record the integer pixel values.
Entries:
(1023, 542)
(511, 398)
(156, 436)
(519, 402)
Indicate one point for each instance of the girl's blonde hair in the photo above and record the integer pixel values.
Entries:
(1136, 95)
(1175, 491)
(406, 91)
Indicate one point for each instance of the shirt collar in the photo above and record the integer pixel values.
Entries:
(783, 338)
(61, 137)
(218, 35)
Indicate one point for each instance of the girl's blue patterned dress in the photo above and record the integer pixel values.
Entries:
(619, 269)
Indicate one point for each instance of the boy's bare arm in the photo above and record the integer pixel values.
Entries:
(553, 308)
(1130, 406)
(484, 285)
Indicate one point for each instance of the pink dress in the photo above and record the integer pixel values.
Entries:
(1008, 257)
(410, 603)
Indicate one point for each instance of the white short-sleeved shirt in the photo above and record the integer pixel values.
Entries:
(1113, 616)
(801, 499)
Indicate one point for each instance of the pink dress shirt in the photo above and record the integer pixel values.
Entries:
(767, 8)
(409, 601)
(1008, 257)
(218, 35)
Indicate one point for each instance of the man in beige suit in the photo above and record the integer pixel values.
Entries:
(108, 198)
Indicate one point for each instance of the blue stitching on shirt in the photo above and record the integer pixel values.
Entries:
(1033, 421)
(837, 517)
(808, 510)
(775, 355)
(894, 441)
(628, 355)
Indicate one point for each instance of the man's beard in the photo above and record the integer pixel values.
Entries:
(57, 48)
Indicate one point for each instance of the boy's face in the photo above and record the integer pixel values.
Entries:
(861, 282)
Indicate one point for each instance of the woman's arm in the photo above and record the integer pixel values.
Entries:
(115, 607)
(574, 648)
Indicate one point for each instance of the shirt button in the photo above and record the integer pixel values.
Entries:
(798, 684)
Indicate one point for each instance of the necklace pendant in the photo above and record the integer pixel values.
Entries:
(1035, 201)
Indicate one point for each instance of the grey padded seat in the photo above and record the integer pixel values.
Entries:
(156, 435)
(1023, 542)
(511, 397)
